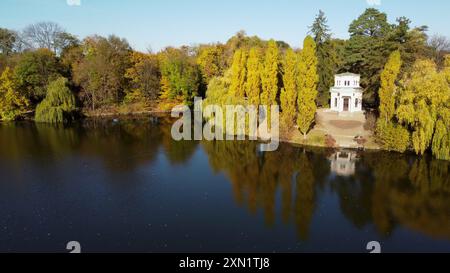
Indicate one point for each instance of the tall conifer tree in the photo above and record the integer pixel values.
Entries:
(307, 86)
(253, 84)
(270, 75)
(239, 73)
(289, 93)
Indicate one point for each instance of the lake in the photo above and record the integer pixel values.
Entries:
(128, 187)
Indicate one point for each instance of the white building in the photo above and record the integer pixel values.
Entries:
(346, 95)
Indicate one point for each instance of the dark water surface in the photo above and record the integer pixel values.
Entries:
(128, 187)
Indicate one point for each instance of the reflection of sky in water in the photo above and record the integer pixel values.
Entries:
(129, 187)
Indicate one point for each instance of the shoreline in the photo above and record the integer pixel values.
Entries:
(283, 139)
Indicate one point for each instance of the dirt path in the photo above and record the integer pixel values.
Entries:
(342, 127)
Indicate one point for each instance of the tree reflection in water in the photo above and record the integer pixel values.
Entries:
(381, 189)
(386, 189)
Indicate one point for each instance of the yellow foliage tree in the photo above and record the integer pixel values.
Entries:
(144, 77)
(12, 104)
(211, 61)
(289, 93)
(238, 73)
(424, 102)
(307, 86)
(441, 138)
(388, 86)
(269, 76)
(253, 84)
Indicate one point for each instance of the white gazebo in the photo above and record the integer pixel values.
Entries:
(346, 95)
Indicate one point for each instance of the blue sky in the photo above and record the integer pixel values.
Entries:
(159, 23)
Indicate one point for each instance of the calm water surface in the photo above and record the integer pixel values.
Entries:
(128, 187)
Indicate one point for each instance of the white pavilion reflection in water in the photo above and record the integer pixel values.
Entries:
(343, 163)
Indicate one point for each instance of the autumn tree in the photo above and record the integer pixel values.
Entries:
(12, 103)
(423, 102)
(388, 88)
(211, 61)
(289, 93)
(270, 75)
(240, 41)
(253, 84)
(441, 138)
(307, 86)
(144, 76)
(239, 73)
(392, 136)
(101, 71)
(58, 105)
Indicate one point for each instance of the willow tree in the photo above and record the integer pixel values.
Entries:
(441, 138)
(423, 101)
(269, 76)
(12, 104)
(307, 86)
(238, 73)
(253, 84)
(289, 93)
(59, 104)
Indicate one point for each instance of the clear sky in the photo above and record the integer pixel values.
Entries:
(159, 23)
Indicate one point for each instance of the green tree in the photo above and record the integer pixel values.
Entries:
(289, 93)
(12, 104)
(412, 43)
(319, 29)
(59, 104)
(366, 52)
(34, 70)
(239, 73)
(307, 86)
(388, 88)
(253, 84)
(180, 75)
(270, 75)
(326, 56)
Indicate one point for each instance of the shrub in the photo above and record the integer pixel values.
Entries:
(392, 137)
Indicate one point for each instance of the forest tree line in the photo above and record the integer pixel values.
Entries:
(50, 73)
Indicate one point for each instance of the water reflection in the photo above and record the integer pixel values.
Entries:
(384, 190)
(343, 162)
